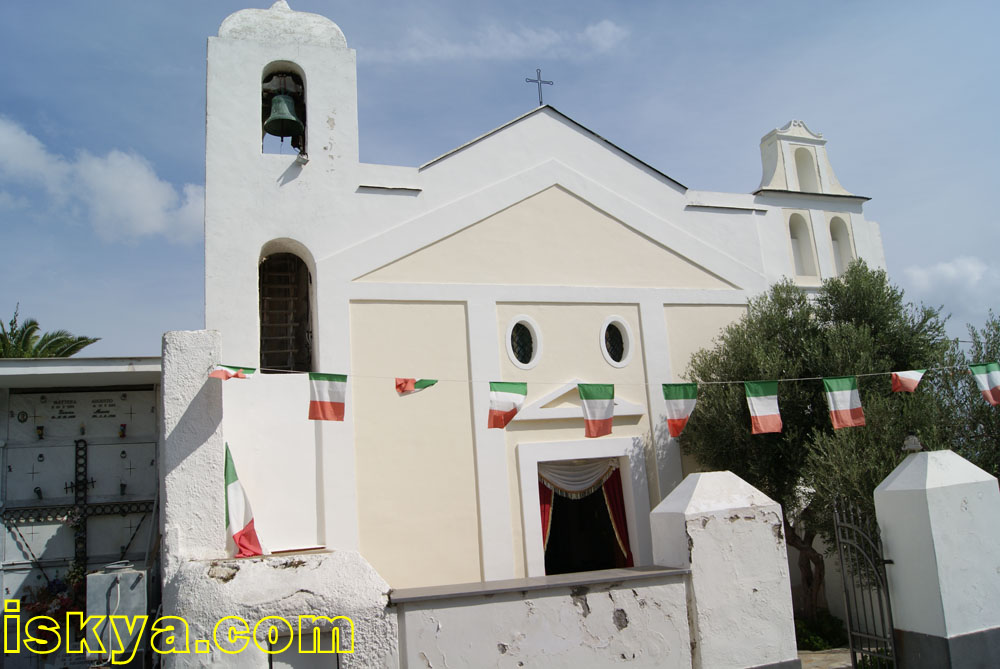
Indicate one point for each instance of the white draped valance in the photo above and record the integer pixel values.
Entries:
(576, 479)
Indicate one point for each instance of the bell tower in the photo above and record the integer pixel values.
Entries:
(281, 167)
(794, 159)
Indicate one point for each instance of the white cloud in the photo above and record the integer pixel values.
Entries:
(499, 43)
(964, 285)
(962, 272)
(118, 194)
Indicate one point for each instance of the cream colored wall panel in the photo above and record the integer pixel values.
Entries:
(417, 508)
(550, 239)
(692, 327)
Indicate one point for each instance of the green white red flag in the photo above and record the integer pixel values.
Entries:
(680, 399)
(906, 382)
(226, 372)
(327, 394)
(762, 398)
(844, 400)
(506, 399)
(241, 536)
(598, 400)
(410, 386)
(988, 379)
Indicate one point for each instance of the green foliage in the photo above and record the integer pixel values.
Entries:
(21, 340)
(856, 324)
(821, 632)
(977, 435)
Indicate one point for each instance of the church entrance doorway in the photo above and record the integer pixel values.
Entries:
(584, 524)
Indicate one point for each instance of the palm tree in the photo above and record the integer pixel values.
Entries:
(21, 340)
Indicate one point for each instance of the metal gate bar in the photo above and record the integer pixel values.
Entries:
(866, 592)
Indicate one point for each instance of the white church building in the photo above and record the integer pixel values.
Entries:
(539, 252)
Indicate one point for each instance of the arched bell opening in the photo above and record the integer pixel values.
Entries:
(805, 169)
(283, 109)
(803, 258)
(843, 250)
(286, 314)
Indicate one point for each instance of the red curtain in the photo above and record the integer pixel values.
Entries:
(616, 509)
(545, 502)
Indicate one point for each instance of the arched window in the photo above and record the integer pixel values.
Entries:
(805, 168)
(843, 251)
(802, 247)
(286, 334)
(283, 109)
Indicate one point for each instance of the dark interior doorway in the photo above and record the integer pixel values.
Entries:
(581, 536)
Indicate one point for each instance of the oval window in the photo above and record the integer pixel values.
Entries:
(616, 341)
(524, 342)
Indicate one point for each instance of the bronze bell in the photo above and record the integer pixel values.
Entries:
(283, 122)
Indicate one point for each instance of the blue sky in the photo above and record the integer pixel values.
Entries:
(102, 125)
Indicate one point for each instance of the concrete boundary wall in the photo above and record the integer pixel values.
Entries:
(635, 616)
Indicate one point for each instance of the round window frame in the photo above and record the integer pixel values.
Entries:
(626, 331)
(536, 341)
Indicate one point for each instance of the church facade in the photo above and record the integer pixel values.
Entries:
(539, 253)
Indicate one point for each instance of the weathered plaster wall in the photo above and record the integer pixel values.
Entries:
(730, 535)
(638, 624)
(202, 586)
(340, 583)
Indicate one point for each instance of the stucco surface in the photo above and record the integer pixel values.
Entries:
(517, 246)
(415, 459)
(638, 624)
(692, 327)
(938, 512)
(731, 536)
(333, 584)
(280, 24)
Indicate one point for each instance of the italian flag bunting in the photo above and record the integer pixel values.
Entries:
(598, 400)
(241, 537)
(762, 398)
(906, 382)
(327, 393)
(506, 399)
(410, 386)
(225, 372)
(845, 403)
(988, 379)
(680, 399)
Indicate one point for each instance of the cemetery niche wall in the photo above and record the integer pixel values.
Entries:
(79, 479)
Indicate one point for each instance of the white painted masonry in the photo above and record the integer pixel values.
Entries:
(739, 596)
(938, 513)
(541, 218)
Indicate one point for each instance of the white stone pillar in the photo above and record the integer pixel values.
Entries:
(938, 514)
(191, 450)
(731, 536)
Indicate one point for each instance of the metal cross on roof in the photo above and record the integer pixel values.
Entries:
(539, 81)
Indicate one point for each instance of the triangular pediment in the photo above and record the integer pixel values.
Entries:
(564, 402)
(552, 238)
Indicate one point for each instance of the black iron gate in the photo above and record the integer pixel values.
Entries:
(866, 593)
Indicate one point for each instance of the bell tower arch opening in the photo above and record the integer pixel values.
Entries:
(286, 298)
(283, 108)
(805, 169)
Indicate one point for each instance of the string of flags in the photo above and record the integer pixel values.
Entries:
(328, 394)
